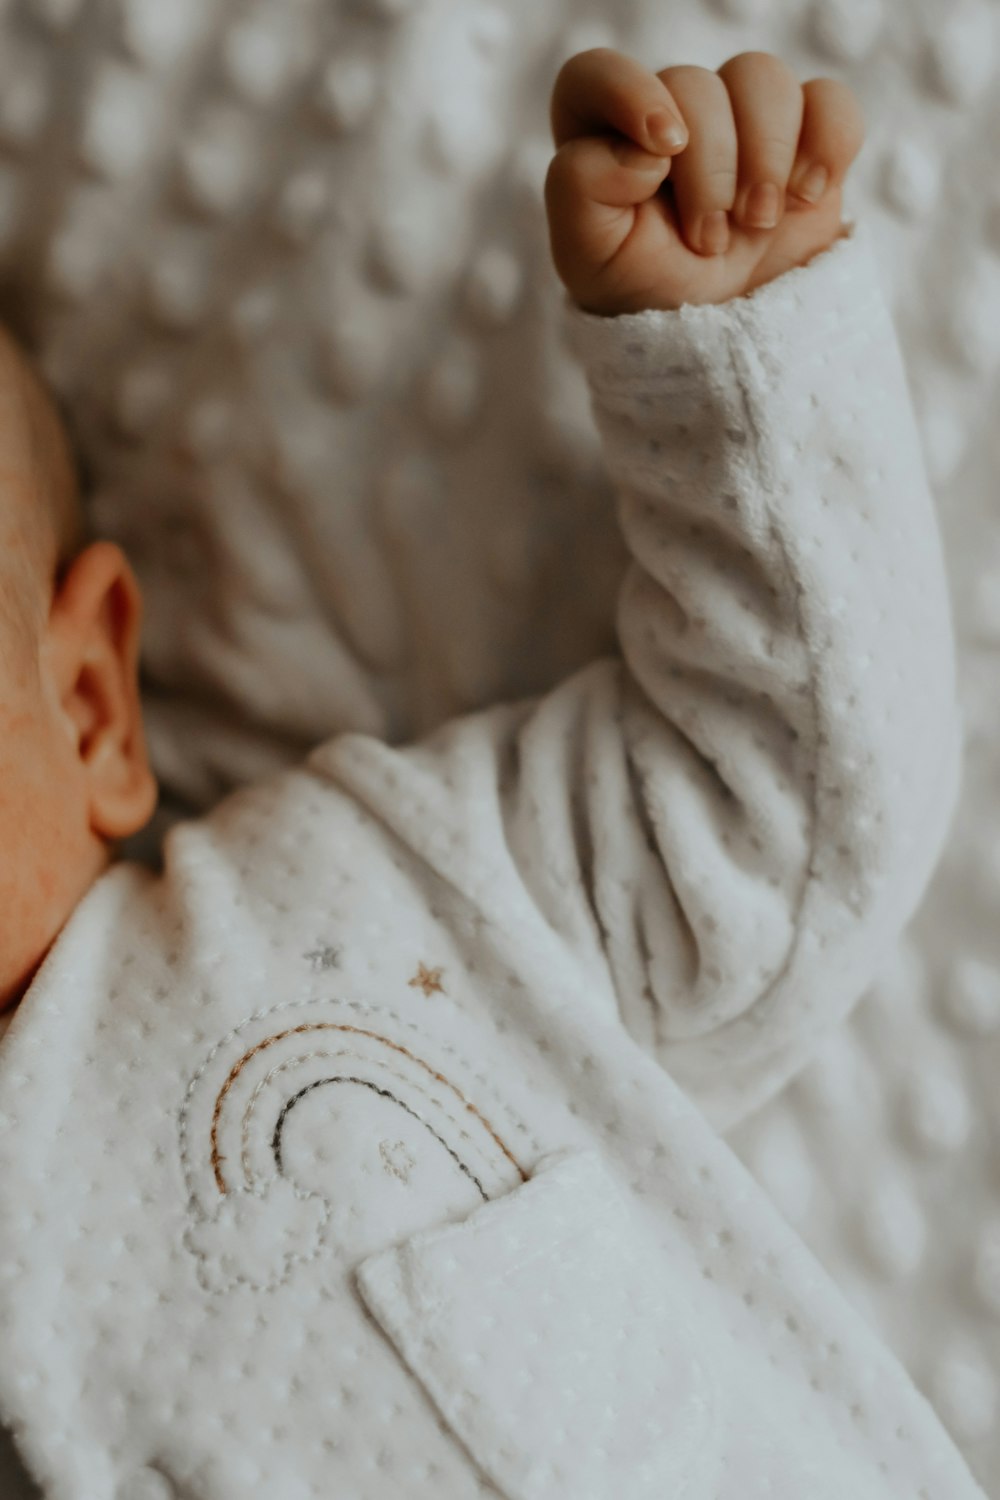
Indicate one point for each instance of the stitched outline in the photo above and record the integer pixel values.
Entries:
(299, 1060)
(386, 1094)
(750, 371)
(363, 1007)
(270, 1041)
(310, 1000)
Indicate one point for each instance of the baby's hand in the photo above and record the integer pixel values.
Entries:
(637, 221)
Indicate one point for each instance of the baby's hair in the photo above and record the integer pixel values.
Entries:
(50, 523)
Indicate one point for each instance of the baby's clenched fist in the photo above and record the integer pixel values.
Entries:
(692, 186)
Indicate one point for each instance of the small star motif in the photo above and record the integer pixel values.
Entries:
(323, 958)
(427, 980)
(396, 1159)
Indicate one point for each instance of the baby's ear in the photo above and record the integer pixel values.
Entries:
(91, 663)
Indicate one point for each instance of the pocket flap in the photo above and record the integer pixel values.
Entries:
(546, 1332)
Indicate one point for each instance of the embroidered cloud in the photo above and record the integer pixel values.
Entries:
(257, 1238)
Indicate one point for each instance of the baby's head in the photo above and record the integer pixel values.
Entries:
(74, 776)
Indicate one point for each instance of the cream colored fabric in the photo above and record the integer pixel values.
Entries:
(418, 1031)
(257, 254)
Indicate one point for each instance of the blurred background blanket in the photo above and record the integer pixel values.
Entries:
(287, 264)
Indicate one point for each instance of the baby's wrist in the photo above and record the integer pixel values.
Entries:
(763, 275)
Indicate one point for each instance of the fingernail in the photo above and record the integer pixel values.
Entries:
(762, 206)
(813, 185)
(714, 237)
(665, 131)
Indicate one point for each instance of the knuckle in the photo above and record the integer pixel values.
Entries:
(564, 75)
(570, 165)
(722, 172)
(567, 75)
(714, 186)
(838, 110)
(766, 153)
(855, 127)
(563, 160)
(627, 154)
(767, 143)
(687, 72)
(586, 61)
(759, 62)
(556, 176)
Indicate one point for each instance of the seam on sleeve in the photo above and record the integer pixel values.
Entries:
(741, 361)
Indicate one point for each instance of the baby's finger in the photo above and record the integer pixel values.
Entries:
(590, 186)
(704, 176)
(833, 132)
(768, 105)
(603, 89)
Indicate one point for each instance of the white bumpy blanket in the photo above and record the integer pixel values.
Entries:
(287, 259)
(348, 1155)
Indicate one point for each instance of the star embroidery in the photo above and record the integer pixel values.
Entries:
(396, 1159)
(323, 958)
(427, 980)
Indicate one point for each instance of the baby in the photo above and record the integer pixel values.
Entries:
(373, 1148)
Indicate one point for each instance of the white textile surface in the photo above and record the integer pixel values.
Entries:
(510, 946)
(288, 264)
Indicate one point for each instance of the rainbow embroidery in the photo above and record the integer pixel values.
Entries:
(252, 1222)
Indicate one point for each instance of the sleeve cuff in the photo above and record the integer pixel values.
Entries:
(802, 316)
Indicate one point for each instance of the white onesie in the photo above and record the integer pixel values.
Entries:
(372, 1150)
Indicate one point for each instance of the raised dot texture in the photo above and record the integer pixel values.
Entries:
(974, 322)
(354, 355)
(491, 29)
(961, 52)
(944, 438)
(743, 10)
(346, 93)
(910, 179)
(402, 248)
(253, 313)
(390, 10)
(845, 30)
(141, 394)
(260, 54)
(987, 606)
(452, 389)
(24, 104)
(973, 995)
(177, 292)
(301, 205)
(217, 162)
(965, 1390)
(987, 1267)
(158, 34)
(209, 428)
(117, 125)
(493, 288)
(894, 1228)
(146, 1485)
(58, 14)
(781, 1165)
(96, 188)
(938, 1110)
(77, 255)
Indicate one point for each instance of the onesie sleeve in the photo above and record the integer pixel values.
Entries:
(727, 825)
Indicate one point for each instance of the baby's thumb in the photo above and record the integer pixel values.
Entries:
(593, 186)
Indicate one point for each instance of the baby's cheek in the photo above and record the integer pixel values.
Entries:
(42, 841)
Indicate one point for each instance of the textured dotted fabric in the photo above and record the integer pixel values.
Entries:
(371, 1147)
(357, 471)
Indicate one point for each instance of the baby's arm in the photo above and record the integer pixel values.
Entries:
(725, 829)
